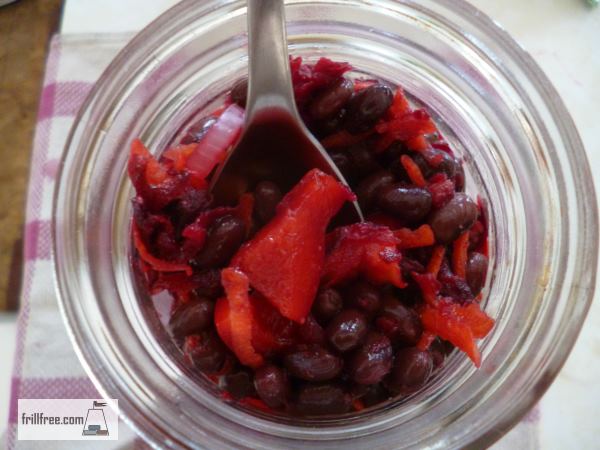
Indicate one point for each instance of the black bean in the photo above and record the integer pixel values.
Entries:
(310, 332)
(322, 399)
(239, 384)
(459, 178)
(224, 238)
(271, 385)
(208, 283)
(331, 100)
(394, 152)
(343, 162)
(399, 323)
(197, 131)
(452, 219)
(205, 351)
(364, 296)
(327, 304)
(191, 203)
(439, 349)
(267, 196)
(376, 393)
(363, 161)
(372, 361)
(192, 317)
(476, 271)
(368, 189)
(313, 365)
(323, 128)
(453, 169)
(368, 106)
(239, 92)
(412, 368)
(410, 204)
(347, 330)
(453, 286)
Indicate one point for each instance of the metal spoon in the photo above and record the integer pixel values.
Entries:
(275, 144)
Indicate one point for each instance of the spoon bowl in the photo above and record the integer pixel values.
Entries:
(275, 144)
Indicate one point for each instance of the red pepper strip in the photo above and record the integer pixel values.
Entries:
(430, 287)
(421, 237)
(156, 263)
(358, 405)
(284, 259)
(234, 319)
(178, 155)
(459, 255)
(413, 171)
(460, 325)
(344, 139)
(425, 340)
(449, 328)
(437, 257)
(418, 143)
(477, 320)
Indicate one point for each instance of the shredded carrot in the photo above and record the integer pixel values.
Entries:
(459, 255)
(344, 139)
(413, 171)
(433, 267)
(421, 237)
(417, 144)
(156, 263)
(425, 340)
(400, 105)
(179, 155)
(358, 405)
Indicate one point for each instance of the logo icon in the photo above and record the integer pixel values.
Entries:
(95, 422)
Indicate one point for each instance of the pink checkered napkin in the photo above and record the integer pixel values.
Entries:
(45, 363)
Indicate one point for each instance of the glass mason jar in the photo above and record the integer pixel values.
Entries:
(521, 152)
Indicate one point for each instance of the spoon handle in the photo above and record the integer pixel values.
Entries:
(270, 81)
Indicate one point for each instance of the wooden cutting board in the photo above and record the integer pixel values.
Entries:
(25, 29)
